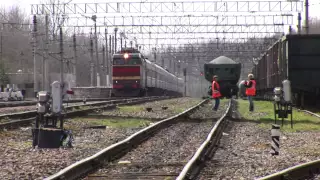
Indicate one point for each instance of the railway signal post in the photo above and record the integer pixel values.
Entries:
(282, 102)
(46, 133)
(275, 135)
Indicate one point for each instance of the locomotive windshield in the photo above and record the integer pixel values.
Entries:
(129, 61)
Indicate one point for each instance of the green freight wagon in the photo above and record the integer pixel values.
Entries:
(228, 72)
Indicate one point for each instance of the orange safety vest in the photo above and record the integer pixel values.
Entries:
(252, 90)
(215, 92)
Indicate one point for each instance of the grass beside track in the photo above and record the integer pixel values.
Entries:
(264, 114)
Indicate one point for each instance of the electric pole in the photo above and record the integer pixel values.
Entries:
(61, 57)
(75, 59)
(46, 83)
(35, 79)
(106, 74)
(97, 63)
(91, 63)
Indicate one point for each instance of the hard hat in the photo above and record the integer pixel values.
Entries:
(215, 76)
(250, 75)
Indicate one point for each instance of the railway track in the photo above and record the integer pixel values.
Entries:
(206, 150)
(158, 151)
(25, 118)
(30, 103)
(309, 170)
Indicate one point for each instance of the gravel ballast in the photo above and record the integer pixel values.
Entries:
(245, 152)
(166, 153)
(20, 161)
(175, 106)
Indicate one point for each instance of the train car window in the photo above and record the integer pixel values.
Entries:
(217, 69)
(226, 69)
(211, 70)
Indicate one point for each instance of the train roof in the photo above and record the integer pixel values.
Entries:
(222, 60)
(159, 67)
(128, 50)
(299, 36)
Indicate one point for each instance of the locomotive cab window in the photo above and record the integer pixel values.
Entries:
(118, 61)
(135, 61)
(130, 61)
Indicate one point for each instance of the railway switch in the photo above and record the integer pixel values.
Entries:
(282, 102)
(46, 133)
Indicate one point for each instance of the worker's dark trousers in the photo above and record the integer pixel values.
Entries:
(216, 104)
(251, 106)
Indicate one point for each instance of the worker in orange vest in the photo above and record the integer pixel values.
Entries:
(250, 90)
(216, 92)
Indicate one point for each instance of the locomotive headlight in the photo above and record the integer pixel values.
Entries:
(116, 81)
(136, 81)
(126, 55)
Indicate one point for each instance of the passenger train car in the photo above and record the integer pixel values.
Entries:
(134, 75)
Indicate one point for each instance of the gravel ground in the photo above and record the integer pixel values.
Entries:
(206, 111)
(245, 152)
(20, 161)
(166, 153)
(175, 106)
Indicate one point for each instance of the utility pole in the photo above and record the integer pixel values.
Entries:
(120, 43)
(1, 44)
(61, 57)
(185, 80)
(35, 79)
(91, 63)
(110, 62)
(46, 83)
(97, 62)
(106, 74)
(115, 40)
(103, 66)
(75, 59)
(113, 47)
(306, 20)
(299, 23)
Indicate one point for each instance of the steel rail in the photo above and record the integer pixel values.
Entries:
(296, 172)
(87, 165)
(20, 122)
(34, 112)
(192, 167)
(30, 103)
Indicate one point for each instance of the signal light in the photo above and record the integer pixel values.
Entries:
(201, 74)
(126, 55)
